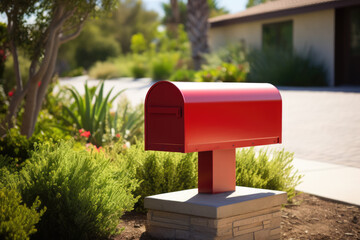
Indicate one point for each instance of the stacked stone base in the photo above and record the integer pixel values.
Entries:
(252, 217)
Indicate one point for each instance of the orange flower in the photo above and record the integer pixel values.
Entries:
(118, 135)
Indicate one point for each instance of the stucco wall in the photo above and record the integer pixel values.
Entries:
(314, 30)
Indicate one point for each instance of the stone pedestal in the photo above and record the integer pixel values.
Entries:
(247, 213)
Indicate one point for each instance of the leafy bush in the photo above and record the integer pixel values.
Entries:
(262, 171)
(17, 221)
(183, 75)
(104, 70)
(226, 72)
(138, 43)
(90, 111)
(208, 75)
(74, 72)
(16, 148)
(124, 64)
(85, 193)
(288, 69)
(139, 70)
(231, 73)
(163, 65)
(8, 82)
(232, 53)
(4, 103)
(93, 46)
(161, 172)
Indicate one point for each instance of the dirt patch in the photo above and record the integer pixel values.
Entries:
(309, 217)
(316, 218)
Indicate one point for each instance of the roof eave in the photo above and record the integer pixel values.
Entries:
(284, 13)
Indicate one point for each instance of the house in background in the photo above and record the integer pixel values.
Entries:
(330, 28)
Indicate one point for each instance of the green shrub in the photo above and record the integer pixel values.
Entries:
(287, 69)
(4, 103)
(163, 65)
(138, 43)
(74, 72)
(8, 80)
(231, 73)
(226, 72)
(93, 46)
(17, 221)
(232, 53)
(208, 75)
(85, 193)
(104, 70)
(16, 148)
(262, 171)
(183, 75)
(139, 70)
(124, 64)
(161, 172)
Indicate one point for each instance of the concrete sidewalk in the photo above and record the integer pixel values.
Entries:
(332, 181)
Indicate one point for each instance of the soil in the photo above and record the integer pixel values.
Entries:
(308, 217)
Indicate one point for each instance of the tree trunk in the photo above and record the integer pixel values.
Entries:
(172, 26)
(43, 86)
(198, 13)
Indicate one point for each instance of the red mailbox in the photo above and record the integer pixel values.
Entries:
(212, 119)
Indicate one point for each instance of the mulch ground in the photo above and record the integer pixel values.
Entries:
(308, 217)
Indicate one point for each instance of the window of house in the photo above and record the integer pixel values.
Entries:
(278, 36)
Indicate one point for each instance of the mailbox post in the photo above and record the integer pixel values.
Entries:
(212, 119)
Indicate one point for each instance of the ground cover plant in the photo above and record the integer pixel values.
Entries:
(84, 192)
(17, 221)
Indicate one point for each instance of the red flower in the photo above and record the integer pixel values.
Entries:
(39, 83)
(85, 134)
(11, 93)
(118, 135)
(81, 130)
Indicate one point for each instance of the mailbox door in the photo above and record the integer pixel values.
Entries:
(164, 118)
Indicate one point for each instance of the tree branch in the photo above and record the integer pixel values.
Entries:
(12, 23)
(75, 34)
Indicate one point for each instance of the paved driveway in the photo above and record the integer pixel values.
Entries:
(322, 125)
(318, 124)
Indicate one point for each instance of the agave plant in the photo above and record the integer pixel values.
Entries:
(127, 122)
(91, 110)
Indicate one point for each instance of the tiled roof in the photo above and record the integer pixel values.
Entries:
(278, 8)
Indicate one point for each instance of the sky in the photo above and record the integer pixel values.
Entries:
(233, 6)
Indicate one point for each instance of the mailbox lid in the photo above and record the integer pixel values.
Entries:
(230, 115)
(207, 92)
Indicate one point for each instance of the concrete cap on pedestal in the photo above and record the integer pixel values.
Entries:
(242, 200)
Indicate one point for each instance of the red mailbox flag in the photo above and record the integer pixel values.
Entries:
(212, 119)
